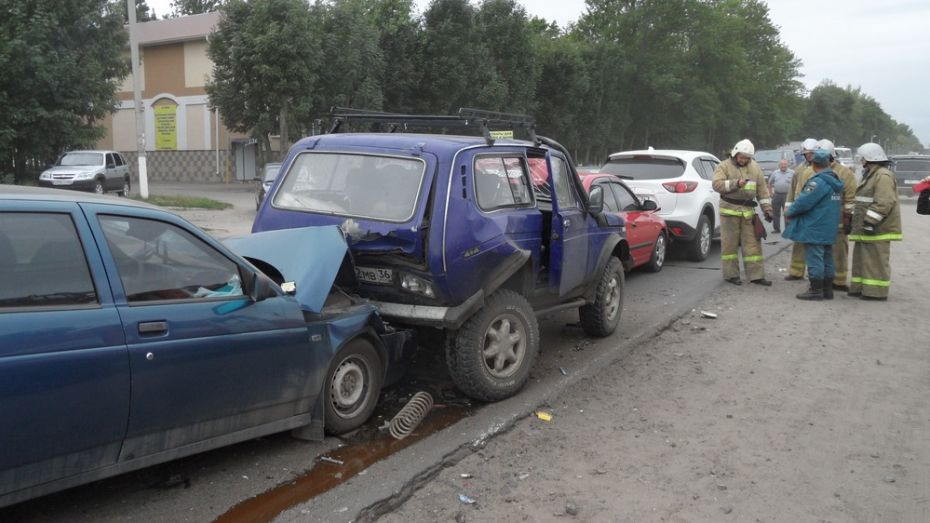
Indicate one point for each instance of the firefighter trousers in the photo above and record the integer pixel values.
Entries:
(797, 260)
(871, 269)
(737, 232)
(841, 258)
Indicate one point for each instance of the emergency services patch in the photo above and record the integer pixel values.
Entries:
(810, 187)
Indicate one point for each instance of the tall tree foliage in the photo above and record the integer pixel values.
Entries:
(266, 59)
(62, 63)
(195, 7)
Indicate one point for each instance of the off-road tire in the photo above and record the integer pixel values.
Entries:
(356, 363)
(699, 248)
(659, 253)
(600, 319)
(466, 355)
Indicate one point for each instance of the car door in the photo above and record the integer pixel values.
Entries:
(205, 359)
(112, 181)
(64, 367)
(121, 169)
(641, 230)
(568, 258)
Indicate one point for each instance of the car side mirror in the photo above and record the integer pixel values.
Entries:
(650, 205)
(596, 200)
(259, 287)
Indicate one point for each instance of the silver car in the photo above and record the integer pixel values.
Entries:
(96, 171)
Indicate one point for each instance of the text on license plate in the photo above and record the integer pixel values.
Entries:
(374, 275)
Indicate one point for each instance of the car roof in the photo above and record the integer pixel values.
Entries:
(436, 143)
(28, 193)
(674, 153)
(90, 151)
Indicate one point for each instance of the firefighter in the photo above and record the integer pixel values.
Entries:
(841, 246)
(876, 222)
(802, 173)
(740, 182)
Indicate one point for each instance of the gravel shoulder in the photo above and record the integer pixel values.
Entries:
(778, 410)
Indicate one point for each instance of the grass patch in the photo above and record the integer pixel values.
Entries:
(185, 202)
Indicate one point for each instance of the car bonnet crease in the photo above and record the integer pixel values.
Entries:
(308, 256)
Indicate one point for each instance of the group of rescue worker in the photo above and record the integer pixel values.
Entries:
(826, 208)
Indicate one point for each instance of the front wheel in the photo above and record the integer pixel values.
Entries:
(352, 386)
(98, 187)
(490, 358)
(600, 318)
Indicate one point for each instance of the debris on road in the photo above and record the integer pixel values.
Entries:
(467, 500)
(571, 509)
(709, 315)
(523, 475)
(543, 415)
(563, 371)
(410, 416)
(465, 475)
(334, 461)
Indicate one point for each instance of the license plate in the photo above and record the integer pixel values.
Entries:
(374, 275)
(61, 182)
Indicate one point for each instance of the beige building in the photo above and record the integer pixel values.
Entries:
(184, 139)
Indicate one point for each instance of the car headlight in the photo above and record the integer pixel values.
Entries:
(46, 175)
(417, 285)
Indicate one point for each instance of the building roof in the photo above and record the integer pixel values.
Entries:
(181, 29)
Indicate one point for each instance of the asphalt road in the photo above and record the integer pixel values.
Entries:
(205, 486)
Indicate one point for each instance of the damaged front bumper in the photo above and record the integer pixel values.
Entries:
(429, 315)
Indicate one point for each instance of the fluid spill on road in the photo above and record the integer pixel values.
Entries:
(356, 456)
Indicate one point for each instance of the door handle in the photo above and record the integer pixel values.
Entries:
(153, 327)
(566, 223)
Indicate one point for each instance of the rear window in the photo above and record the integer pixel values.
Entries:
(644, 167)
(382, 188)
(912, 165)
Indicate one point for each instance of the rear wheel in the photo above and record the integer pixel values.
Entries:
(699, 248)
(126, 188)
(352, 386)
(490, 357)
(658, 253)
(98, 186)
(601, 317)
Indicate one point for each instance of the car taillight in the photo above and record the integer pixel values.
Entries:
(677, 187)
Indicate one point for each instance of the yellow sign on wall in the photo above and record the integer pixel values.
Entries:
(166, 127)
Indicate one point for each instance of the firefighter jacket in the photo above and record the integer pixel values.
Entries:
(803, 173)
(815, 215)
(741, 201)
(877, 215)
(848, 178)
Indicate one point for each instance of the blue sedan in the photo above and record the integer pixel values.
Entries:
(129, 337)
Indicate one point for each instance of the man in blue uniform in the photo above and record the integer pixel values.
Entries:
(815, 217)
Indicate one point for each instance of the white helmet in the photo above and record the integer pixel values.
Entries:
(826, 145)
(743, 147)
(808, 145)
(872, 152)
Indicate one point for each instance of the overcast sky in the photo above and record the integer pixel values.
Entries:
(881, 46)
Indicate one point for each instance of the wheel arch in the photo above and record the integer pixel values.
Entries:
(615, 246)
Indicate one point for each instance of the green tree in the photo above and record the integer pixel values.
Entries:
(506, 32)
(62, 63)
(144, 13)
(195, 7)
(399, 30)
(265, 55)
(352, 63)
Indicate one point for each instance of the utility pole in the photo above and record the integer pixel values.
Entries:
(137, 100)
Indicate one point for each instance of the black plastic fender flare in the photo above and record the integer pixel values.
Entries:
(606, 252)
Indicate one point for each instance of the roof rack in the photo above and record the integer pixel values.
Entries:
(491, 123)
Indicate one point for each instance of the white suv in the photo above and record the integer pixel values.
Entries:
(681, 182)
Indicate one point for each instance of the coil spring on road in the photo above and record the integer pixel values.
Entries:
(411, 415)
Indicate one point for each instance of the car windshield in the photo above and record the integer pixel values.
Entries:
(372, 187)
(644, 167)
(71, 159)
(844, 154)
(271, 172)
(768, 156)
(912, 165)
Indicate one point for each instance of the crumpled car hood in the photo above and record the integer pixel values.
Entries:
(308, 256)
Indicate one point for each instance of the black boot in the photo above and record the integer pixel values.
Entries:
(827, 289)
(814, 292)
